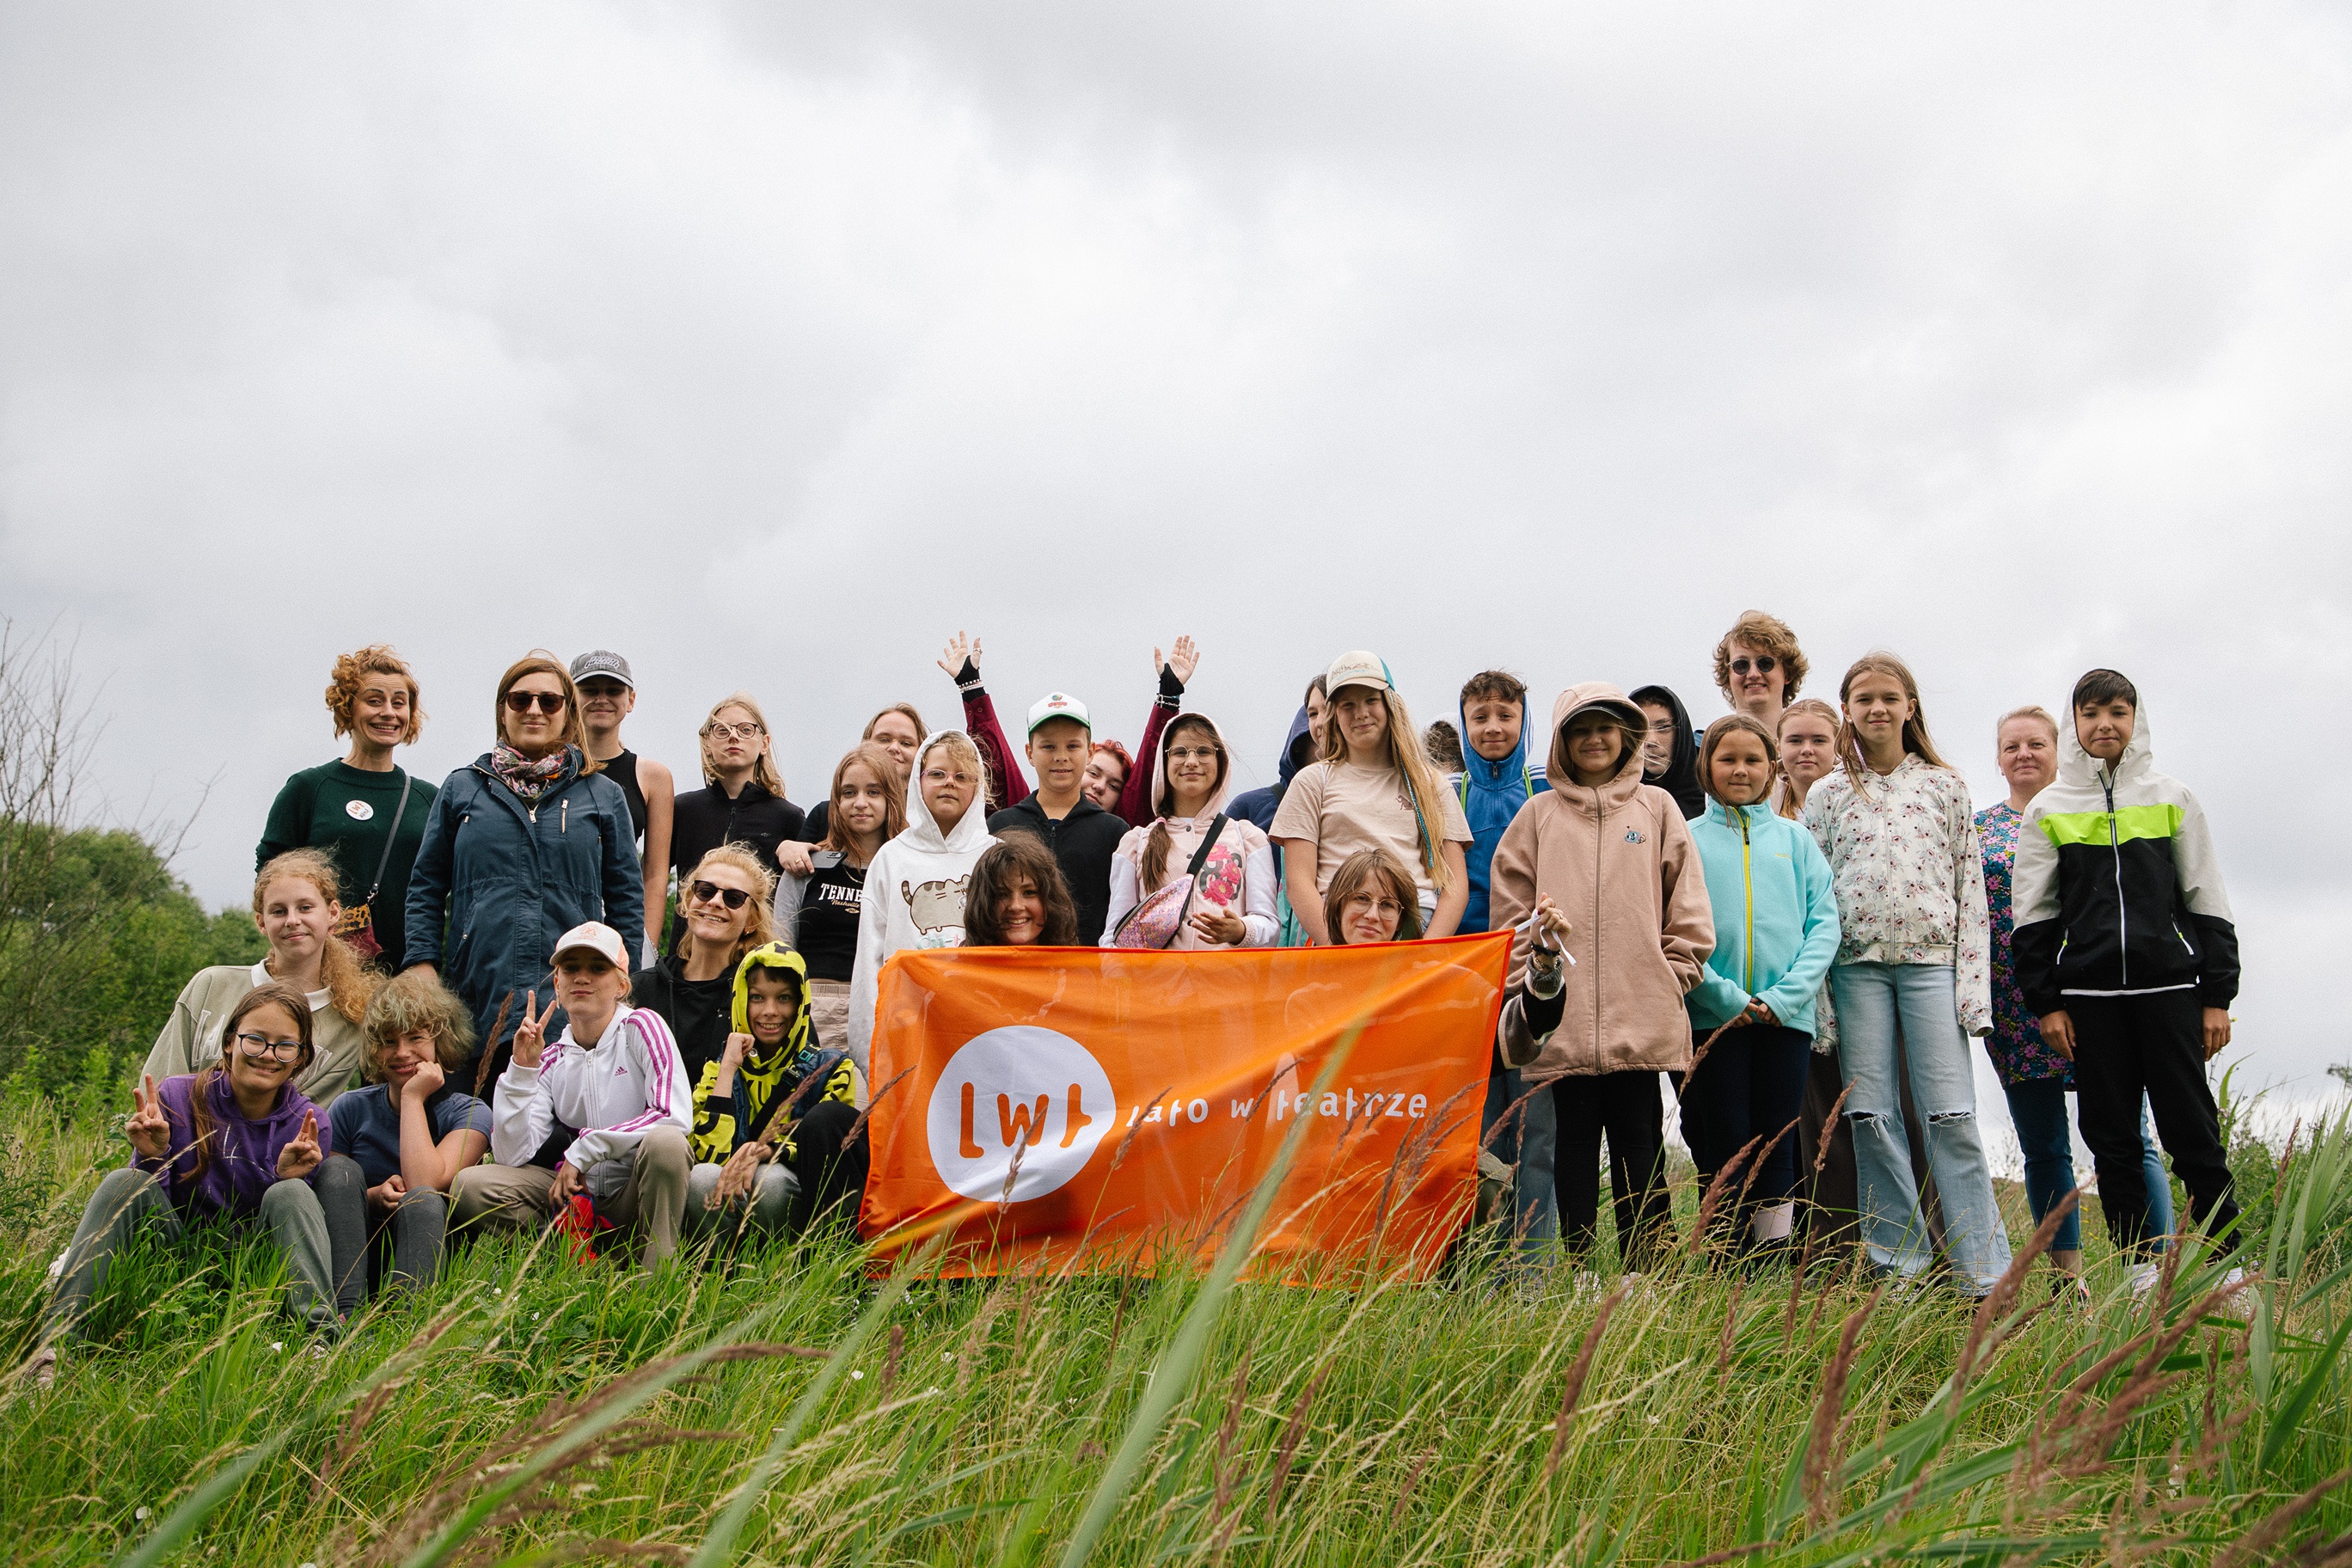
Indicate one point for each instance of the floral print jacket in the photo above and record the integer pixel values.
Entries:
(1910, 881)
(2015, 1045)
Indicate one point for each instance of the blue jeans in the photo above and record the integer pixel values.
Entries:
(1870, 999)
(2038, 1107)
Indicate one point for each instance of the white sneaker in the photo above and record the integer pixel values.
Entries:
(2143, 1279)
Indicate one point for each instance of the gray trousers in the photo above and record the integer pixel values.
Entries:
(768, 1212)
(130, 1198)
(408, 1239)
(652, 1202)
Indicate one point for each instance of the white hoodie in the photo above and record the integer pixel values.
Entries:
(914, 896)
(616, 1091)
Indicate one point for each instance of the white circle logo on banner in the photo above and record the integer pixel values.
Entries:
(1024, 1088)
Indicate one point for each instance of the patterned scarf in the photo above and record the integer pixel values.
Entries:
(528, 779)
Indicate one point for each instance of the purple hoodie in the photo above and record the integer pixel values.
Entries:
(244, 1155)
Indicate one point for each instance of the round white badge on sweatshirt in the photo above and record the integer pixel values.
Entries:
(359, 811)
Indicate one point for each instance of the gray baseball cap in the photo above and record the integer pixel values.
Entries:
(610, 666)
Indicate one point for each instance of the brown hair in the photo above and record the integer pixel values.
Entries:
(538, 661)
(1722, 729)
(763, 766)
(875, 761)
(1814, 705)
(923, 730)
(350, 672)
(760, 927)
(350, 983)
(1357, 870)
(1156, 846)
(411, 1001)
(2103, 687)
(1915, 739)
(1495, 686)
(1009, 860)
(276, 994)
(2033, 710)
(1766, 634)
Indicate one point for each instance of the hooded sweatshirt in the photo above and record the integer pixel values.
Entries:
(1681, 778)
(914, 897)
(1776, 922)
(244, 1161)
(767, 1078)
(1258, 805)
(1238, 874)
(615, 1092)
(1619, 862)
(2118, 889)
(1491, 793)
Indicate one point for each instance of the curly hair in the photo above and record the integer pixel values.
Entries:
(760, 927)
(411, 1001)
(350, 672)
(1016, 858)
(1767, 634)
(350, 983)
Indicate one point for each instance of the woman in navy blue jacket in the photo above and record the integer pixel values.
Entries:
(526, 843)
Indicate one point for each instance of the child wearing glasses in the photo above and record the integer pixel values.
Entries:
(238, 1145)
(524, 843)
(742, 800)
(1230, 903)
(724, 906)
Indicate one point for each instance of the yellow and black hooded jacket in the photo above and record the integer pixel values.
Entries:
(766, 1082)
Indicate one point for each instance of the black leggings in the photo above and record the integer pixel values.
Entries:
(832, 1178)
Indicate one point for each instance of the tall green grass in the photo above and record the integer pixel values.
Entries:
(528, 1410)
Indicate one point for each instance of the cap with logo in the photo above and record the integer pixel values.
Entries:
(1059, 705)
(1357, 669)
(608, 665)
(597, 938)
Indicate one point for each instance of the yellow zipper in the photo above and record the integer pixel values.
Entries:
(1747, 877)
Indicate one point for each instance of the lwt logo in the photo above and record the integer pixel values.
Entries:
(1023, 1090)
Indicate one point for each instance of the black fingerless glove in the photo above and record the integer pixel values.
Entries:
(968, 678)
(1171, 688)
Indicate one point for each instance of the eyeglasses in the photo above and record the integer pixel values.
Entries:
(521, 701)
(1194, 753)
(258, 1046)
(709, 892)
(1764, 665)
(1357, 901)
(744, 732)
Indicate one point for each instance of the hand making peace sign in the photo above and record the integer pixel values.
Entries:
(531, 1034)
(301, 1156)
(148, 1130)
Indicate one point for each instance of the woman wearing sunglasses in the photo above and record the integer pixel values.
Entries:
(527, 842)
(234, 1144)
(723, 904)
(1758, 667)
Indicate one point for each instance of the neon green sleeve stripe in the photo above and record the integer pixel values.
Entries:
(2063, 828)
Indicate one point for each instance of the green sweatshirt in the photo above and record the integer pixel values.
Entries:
(347, 811)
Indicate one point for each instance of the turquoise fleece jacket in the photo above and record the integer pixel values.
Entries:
(1776, 921)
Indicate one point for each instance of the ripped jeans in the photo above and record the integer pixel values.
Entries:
(1870, 998)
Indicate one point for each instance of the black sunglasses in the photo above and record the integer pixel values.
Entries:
(704, 892)
(1765, 664)
(548, 702)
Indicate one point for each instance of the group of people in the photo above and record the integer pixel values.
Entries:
(556, 989)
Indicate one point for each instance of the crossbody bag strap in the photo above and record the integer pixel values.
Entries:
(406, 778)
(1193, 871)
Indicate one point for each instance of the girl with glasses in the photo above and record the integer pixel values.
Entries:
(742, 800)
(1371, 898)
(723, 907)
(236, 1145)
(295, 905)
(1231, 903)
(523, 844)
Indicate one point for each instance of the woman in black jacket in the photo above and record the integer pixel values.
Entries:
(723, 905)
(741, 801)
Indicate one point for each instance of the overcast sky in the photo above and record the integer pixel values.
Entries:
(770, 344)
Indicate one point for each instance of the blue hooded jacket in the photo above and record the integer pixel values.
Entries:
(1259, 805)
(1491, 795)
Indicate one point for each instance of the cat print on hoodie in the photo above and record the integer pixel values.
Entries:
(937, 910)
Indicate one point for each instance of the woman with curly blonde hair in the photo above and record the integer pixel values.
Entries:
(367, 814)
(724, 904)
(297, 905)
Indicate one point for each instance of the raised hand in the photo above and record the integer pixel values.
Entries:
(300, 1156)
(426, 1081)
(148, 1130)
(1180, 663)
(385, 1195)
(738, 1047)
(960, 651)
(531, 1034)
(735, 1176)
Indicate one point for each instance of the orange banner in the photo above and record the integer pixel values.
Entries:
(1102, 1109)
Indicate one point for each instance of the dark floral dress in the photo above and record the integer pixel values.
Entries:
(2015, 1044)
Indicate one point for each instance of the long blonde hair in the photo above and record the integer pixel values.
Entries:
(1917, 742)
(763, 768)
(350, 983)
(1411, 759)
(760, 927)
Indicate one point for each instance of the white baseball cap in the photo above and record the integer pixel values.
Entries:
(1357, 669)
(1059, 705)
(597, 938)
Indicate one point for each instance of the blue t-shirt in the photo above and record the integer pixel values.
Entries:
(365, 1123)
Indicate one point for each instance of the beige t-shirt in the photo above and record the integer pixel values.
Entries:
(1345, 809)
